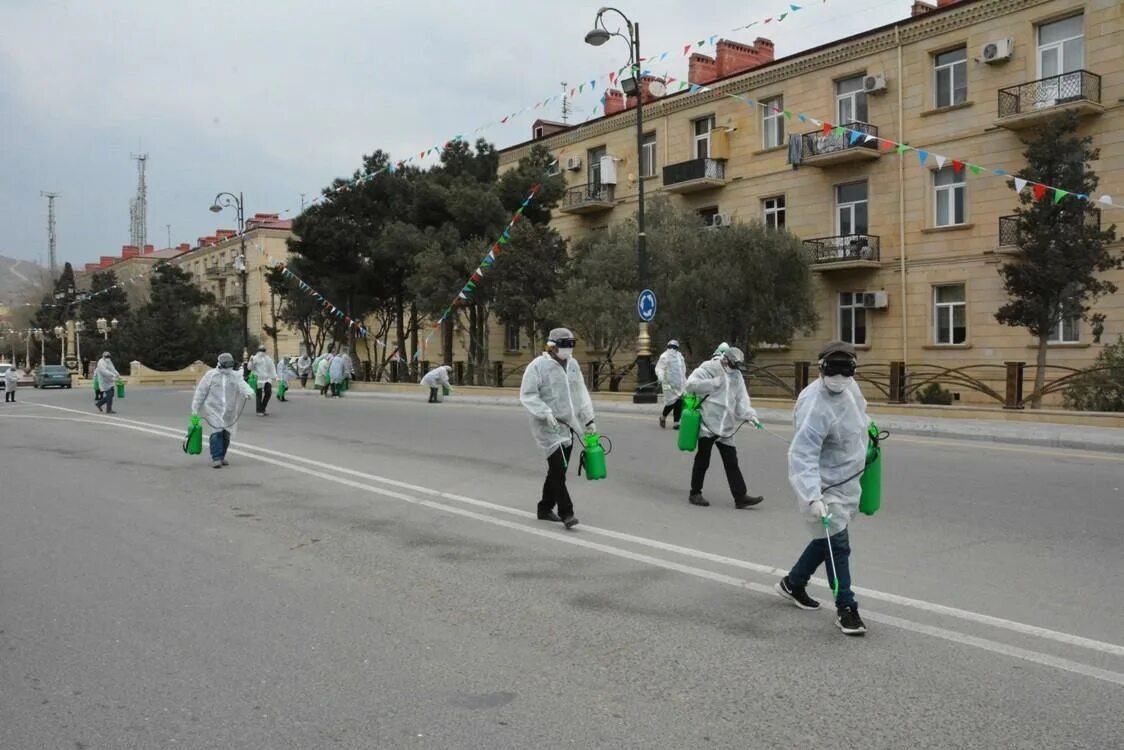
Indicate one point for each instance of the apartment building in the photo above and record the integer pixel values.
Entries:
(905, 254)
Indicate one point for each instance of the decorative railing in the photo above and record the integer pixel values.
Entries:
(1076, 85)
(581, 195)
(1009, 227)
(819, 143)
(844, 247)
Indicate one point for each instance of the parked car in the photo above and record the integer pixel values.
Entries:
(4, 367)
(52, 375)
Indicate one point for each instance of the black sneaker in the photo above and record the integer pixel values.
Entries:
(848, 620)
(551, 516)
(570, 522)
(696, 498)
(746, 501)
(798, 595)
(675, 426)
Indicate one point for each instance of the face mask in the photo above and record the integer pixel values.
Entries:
(836, 383)
(566, 353)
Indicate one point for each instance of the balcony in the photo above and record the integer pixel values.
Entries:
(588, 199)
(827, 149)
(1027, 105)
(844, 252)
(694, 175)
(219, 270)
(1009, 229)
(232, 300)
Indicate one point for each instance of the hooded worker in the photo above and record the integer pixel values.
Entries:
(725, 406)
(436, 379)
(553, 391)
(322, 377)
(11, 383)
(671, 371)
(106, 376)
(261, 364)
(304, 368)
(825, 464)
(337, 371)
(219, 399)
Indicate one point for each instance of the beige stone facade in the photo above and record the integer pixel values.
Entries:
(930, 243)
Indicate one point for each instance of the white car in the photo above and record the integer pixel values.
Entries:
(4, 367)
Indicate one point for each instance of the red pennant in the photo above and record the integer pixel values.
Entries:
(827, 128)
(885, 145)
(515, 219)
(957, 166)
(1039, 191)
(686, 48)
(504, 120)
(474, 277)
(612, 77)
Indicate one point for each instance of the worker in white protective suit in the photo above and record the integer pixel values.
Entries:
(11, 383)
(553, 391)
(720, 384)
(219, 399)
(323, 379)
(261, 364)
(671, 371)
(825, 464)
(436, 380)
(304, 368)
(106, 376)
(337, 372)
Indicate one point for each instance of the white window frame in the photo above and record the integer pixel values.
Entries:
(1059, 335)
(1059, 46)
(593, 168)
(849, 207)
(856, 99)
(509, 329)
(648, 155)
(701, 138)
(947, 194)
(772, 122)
(856, 309)
(957, 69)
(774, 208)
(948, 310)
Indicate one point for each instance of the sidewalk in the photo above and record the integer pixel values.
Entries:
(1072, 437)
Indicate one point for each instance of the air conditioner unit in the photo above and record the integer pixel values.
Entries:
(608, 170)
(719, 221)
(573, 163)
(875, 300)
(874, 84)
(997, 51)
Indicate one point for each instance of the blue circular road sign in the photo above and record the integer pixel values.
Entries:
(646, 305)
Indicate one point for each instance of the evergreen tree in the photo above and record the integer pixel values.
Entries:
(170, 331)
(56, 308)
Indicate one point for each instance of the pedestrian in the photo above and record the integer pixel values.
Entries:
(323, 378)
(106, 377)
(435, 379)
(348, 368)
(671, 371)
(336, 372)
(825, 465)
(261, 364)
(284, 375)
(725, 407)
(304, 367)
(11, 382)
(219, 399)
(553, 391)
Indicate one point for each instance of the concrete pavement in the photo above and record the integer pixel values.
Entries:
(367, 574)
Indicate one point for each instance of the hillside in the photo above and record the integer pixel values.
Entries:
(17, 278)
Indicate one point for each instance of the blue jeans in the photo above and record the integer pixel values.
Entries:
(106, 399)
(220, 442)
(815, 554)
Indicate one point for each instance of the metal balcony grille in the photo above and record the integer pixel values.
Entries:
(842, 248)
(818, 143)
(695, 169)
(1050, 92)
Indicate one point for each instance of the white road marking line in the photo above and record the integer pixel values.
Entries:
(982, 619)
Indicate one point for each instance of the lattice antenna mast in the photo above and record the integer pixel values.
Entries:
(565, 105)
(52, 261)
(138, 206)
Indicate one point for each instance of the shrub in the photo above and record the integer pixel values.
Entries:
(934, 394)
(1102, 387)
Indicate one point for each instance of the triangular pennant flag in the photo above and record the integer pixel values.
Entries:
(922, 155)
(663, 56)
(1106, 200)
(957, 166)
(827, 128)
(886, 145)
(940, 161)
(802, 118)
(713, 38)
(477, 275)
(592, 83)
(975, 169)
(460, 295)
(581, 88)
(1059, 194)
(1020, 184)
(686, 49)
(1039, 191)
(794, 7)
(902, 148)
(781, 17)
(999, 172)
(815, 122)
(787, 114)
(855, 136)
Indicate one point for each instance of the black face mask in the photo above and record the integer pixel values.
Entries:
(565, 343)
(845, 367)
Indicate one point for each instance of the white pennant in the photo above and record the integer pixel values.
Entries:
(1020, 184)
(940, 161)
(869, 138)
(1107, 200)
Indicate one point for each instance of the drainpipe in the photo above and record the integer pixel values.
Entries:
(901, 201)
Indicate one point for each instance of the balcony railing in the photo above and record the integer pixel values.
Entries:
(846, 248)
(588, 198)
(696, 174)
(219, 270)
(1009, 227)
(850, 143)
(232, 300)
(1055, 91)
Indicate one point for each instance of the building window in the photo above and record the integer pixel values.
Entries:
(594, 168)
(851, 209)
(1061, 47)
(772, 122)
(951, 73)
(850, 100)
(708, 214)
(1067, 330)
(702, 130)
(511, 337)
(852, 318)
(950, 314)
(648, 156)
(949, 190)
(774, 212)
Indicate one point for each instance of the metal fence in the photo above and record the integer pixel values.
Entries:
(1076, 85)
(844, 247)
(819, 143)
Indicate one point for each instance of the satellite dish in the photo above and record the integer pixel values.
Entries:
(657, 88)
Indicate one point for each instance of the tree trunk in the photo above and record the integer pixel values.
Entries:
(273, 316)
(400, 323)
(1039, 373)
(447, 340)
(472, 344)
(414, 355)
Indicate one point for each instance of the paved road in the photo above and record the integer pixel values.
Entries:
(368, 573)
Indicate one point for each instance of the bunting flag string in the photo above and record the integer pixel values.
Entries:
(80, 297)
(326, 306)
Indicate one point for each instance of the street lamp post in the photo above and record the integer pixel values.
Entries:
(40, 335)
(645, 386)
(104, 326)
(60, 334)
(227, 200)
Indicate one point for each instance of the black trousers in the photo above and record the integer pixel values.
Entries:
(9, 395)
(433, 395)
(263, 393)
(304, 381)
(674, 406)
(729, 461)
(554, 492)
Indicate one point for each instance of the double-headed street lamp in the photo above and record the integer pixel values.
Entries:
(228, 200)
(645, 385)
(60, 334)
(104, 327)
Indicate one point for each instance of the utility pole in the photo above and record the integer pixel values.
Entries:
(302, 203)
(565, 105)
(52, 261)
(138, 206)
(169, 226)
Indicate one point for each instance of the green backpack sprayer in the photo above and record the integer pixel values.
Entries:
(593, 456)
(690, 423)
(193, 443)
(871, 481)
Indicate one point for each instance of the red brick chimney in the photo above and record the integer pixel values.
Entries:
(92, 267)
(129, 251)
(149, 249)
(701, 69)
(733, 58)
(614, 102)
(920, 8)
(107, 261)
(225, 234)
(946, 3)
(183, 247)
(645, 91)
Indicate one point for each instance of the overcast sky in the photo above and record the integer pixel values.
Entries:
(276, 98)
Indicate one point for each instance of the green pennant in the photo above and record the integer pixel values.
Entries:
(839, 130)
(1059, 194)
(975, 169)
(788, 114)
(902, 148)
